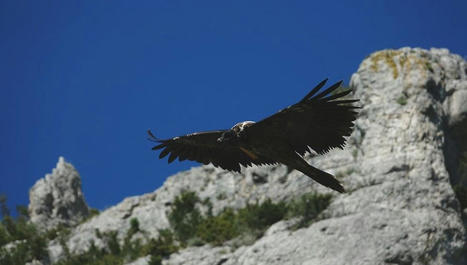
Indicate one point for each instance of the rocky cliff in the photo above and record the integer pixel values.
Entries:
(398, 166)
(57, 199)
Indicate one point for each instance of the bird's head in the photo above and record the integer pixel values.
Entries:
(234, 134)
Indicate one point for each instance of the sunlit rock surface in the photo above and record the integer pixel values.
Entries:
(397, 168)
(57, 199)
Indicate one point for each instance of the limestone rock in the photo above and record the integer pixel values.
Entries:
(140, 261)
(35, 262)
(400, 208)
(57, 198)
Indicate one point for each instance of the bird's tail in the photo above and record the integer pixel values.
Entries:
(320, 176)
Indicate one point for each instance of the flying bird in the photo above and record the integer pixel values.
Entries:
(319, 122)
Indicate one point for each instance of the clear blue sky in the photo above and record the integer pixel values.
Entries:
(86, 79)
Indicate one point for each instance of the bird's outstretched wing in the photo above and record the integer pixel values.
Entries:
(317, 121)
(204, 148)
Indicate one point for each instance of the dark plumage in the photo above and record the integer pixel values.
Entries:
(318, 121)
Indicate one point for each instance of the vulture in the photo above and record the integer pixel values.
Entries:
(320, 121)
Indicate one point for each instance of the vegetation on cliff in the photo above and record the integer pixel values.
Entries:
(20, 241)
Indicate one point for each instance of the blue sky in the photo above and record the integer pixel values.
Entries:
(86, 79)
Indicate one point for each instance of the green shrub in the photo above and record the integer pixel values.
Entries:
(111, 241)
(17, 255)
(260, 216)
(185, 217)
(94, 258)
(113, 252)
(27, 242)
(155, 260)
(218, 229)
(30, 244)
(253, 219)
(59, 231)
(188, 226)
(4, 211)
(132, 249)
(4, 236)
(161, 247)
(92, 212)
(22, 212)
(134, 226)
(402, 100)
(308, 207)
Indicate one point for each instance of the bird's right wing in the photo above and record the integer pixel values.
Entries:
(204, 148)
(320, 121)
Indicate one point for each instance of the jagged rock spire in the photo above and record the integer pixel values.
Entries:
(57, 198)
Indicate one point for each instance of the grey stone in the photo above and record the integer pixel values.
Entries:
(140, 261)
(400, 207)
(57, 198)
(34, 262)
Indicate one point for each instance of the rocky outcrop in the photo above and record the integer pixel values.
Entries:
(57, 198)
(400, 208)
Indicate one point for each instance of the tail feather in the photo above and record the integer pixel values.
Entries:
(322, 177)
(325, 179)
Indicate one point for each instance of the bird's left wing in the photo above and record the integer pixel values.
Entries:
(204, 148)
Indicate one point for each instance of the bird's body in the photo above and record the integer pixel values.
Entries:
(316, 122)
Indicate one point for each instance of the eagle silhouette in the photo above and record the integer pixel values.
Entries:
(318, 121)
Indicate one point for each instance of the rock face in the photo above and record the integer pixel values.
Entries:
(57, 198)
(397, 167)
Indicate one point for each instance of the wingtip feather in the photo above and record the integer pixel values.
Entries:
(172, 157)
(164, 152)
(152, 137)
(339, 95)
(158, 146)
(328, 90)
(314, 90)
